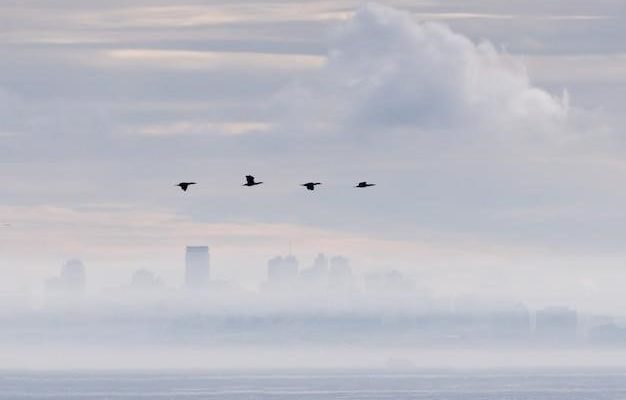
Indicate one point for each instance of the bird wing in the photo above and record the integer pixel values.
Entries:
(249, 179)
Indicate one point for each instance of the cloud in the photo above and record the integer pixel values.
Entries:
(387, 71)
(205, 60)
(434, 118)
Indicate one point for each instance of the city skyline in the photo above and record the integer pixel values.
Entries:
(281, 274)
(159, 165)
(325, 292)
(276, 272)
(515, 173)
(322, 301)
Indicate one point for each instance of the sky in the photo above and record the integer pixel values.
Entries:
(492, 131)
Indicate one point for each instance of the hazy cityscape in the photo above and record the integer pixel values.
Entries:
(324, 301)
(297, 200)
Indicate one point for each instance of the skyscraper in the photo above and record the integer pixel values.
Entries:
(144, 280)
(340, 273)
(73, 275)
(197, 267)
(70, 281)
(282, 269)
(317, 274)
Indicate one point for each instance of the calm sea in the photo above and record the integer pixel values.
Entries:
(509, 385)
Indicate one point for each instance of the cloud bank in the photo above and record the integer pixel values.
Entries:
(386, 71)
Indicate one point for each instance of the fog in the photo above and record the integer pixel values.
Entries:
(493, 237)
(326, 314)
(394, 359)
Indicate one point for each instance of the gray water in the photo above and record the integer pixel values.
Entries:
(512, 385)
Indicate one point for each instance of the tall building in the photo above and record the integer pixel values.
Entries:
(71, 279)
(73, 274)
(282, 269)
(320, 265)
(144, 280)
(389, 282)
(317, 274)
(197, 267)
(340, 273)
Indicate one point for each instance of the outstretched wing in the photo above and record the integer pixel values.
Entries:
(185, 185)
(249, 179)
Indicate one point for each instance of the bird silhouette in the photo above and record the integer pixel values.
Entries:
(311, 185)
(250, 181)
(185, 185)
(364, 185)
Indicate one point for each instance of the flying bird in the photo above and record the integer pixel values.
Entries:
(185, 185)
(311, 185)
(250, 181)
(364, 185)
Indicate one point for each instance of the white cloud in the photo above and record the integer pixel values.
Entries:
(386, 71)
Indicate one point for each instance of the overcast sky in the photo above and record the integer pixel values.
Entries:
(492, 130)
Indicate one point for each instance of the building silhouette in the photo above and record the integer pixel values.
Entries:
(556, 325)
(609, 334)
(389, 283)
(316, 276)
(197, 267)
(340, 273)
(71, 280)
(282, 269)
(144, 280)
(509, 322)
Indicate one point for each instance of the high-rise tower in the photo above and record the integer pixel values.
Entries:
(197, 267)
